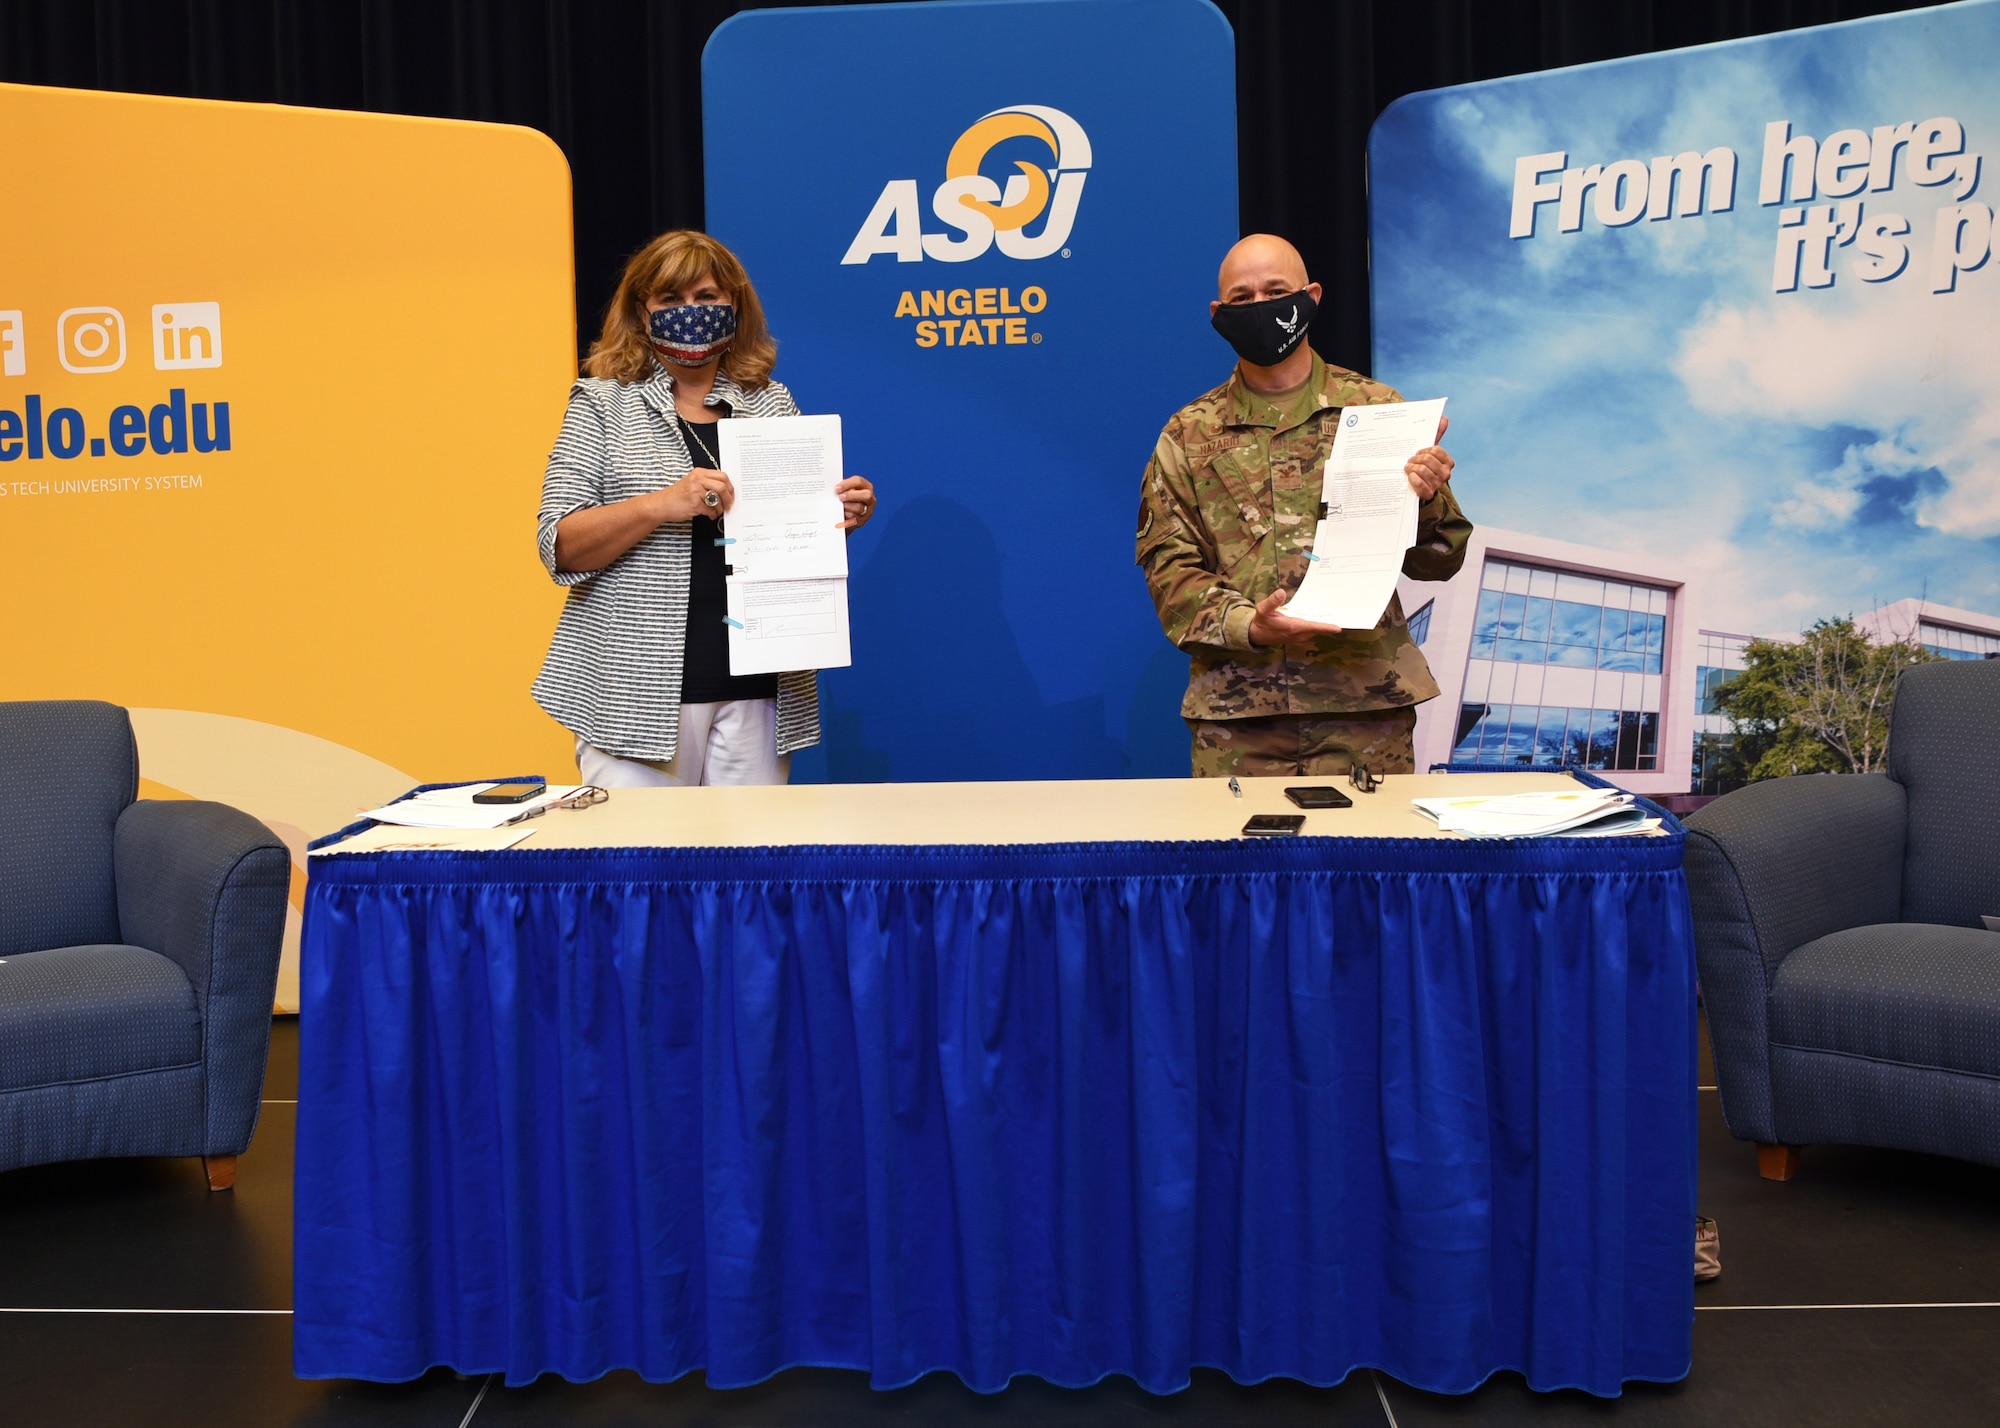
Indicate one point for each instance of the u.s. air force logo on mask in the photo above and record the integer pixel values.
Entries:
(975, 208)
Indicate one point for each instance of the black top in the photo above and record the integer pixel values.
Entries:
(705, 676)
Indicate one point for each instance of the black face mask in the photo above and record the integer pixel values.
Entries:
(1265, 333)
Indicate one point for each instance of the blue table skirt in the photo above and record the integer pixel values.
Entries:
(1282, 1107)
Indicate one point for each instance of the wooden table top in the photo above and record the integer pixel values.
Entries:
(919, 814)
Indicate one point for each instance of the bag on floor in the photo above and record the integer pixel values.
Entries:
(1707, 1249)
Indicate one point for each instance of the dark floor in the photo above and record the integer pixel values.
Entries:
(1865, 1292)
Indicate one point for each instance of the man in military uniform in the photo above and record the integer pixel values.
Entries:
(1226, 518)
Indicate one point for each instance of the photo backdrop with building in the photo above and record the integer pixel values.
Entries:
(1722, 342)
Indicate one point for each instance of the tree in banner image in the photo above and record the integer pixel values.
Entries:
(1819, 704)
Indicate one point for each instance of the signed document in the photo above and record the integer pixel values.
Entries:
(454, 808)
(1370, 516)
(779, 625)
(784, 523)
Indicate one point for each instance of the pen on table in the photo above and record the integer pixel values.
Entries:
(1235, 787)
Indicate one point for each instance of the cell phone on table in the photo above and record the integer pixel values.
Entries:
(510, 793)
(1274, 825)
(1319, 795)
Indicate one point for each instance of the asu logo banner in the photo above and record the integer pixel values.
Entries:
(1000, 281)
(975, 205)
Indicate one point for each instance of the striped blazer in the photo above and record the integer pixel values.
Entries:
(613, 672)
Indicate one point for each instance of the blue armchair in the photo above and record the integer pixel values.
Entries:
(1853, 994)
(139, 950)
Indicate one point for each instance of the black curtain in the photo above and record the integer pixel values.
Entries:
(617, 84)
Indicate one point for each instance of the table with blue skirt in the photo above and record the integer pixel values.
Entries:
(1055, 1079)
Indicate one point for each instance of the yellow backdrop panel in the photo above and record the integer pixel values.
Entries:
(276, 389)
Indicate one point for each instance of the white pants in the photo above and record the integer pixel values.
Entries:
(733, 742)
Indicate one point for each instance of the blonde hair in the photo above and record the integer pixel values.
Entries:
(674, 260)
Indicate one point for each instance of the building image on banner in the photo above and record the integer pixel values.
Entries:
(1551, 653)
(1000, 282)
(267, 474)
(1720, 330)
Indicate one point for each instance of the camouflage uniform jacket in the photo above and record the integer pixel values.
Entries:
(1227, 515)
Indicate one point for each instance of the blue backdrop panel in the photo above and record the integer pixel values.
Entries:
(1001, 629)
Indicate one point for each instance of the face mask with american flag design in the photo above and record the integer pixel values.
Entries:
(692, 334)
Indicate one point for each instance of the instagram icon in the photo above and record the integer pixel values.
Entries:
(91, 339)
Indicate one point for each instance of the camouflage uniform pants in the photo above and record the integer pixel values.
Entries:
(1294, 745)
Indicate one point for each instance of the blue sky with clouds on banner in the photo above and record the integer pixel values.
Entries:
(1642, 387)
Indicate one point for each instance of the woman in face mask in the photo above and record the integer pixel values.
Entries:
(632, 522)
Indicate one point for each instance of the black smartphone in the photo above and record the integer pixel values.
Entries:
(510, 793)
(1274, 825)
(1319, 795)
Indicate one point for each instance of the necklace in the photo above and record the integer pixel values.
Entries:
(715, 462)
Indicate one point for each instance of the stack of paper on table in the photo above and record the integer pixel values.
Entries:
(1370, 518)
(388, 838)
(1578, 813)
(787, 555)
(454, 808)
